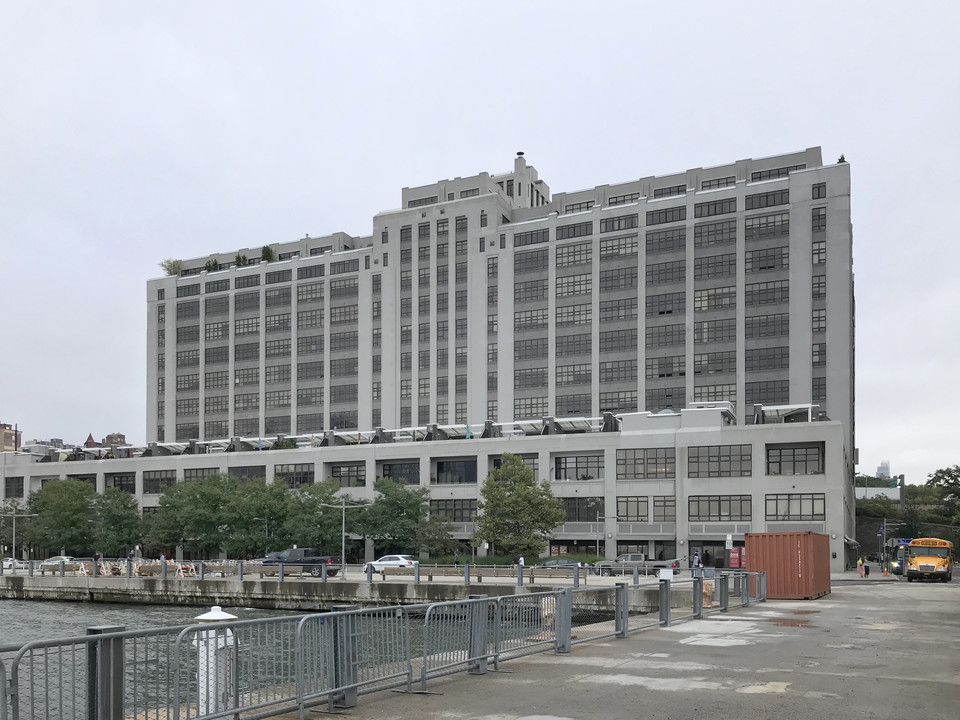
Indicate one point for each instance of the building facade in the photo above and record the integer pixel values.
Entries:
(665, 484)
(486, 298)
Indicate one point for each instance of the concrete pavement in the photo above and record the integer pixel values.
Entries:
(874, 648)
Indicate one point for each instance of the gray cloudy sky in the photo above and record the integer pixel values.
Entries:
(133, 132)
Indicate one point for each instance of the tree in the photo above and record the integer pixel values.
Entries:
(192, 514)
(433, 536)
(118, 525)
(311, 522)
(211, 265)
(949, 480)
(256, 518)
(65, 517)
(241, 260)
(396, 514)
(171, 266)
(266, 254)
(516, 512)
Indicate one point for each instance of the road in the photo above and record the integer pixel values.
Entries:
(879, 650)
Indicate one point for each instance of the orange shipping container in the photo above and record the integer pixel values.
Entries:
(797, 564)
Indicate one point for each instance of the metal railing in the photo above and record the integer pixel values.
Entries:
(262, 668)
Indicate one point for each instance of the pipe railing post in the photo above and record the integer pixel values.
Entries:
(240, 570)
(479, 614)
(519, 575)
(576, 576)
(723, 591)
(323, 573)
(563, 623)
(698, 597)
(416, 574)
(370, 573)
(105, 674)
(622, 610)
(280, 572)
(345, 656)
(466, 574)
(744, 589)
(664, 602)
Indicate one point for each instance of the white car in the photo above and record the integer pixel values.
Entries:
(53, 564)
(21, 564)
(392, 561)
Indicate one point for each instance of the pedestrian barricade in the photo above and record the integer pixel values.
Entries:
(267, 667)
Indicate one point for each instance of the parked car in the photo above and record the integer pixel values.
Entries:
(8, 564)
(624, 565)
(299, 560)
(52, 564)
(559, 563)
(392, 561)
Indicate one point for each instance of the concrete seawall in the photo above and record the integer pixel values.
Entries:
(291, 594)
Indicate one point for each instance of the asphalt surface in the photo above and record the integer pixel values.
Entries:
(876, 648)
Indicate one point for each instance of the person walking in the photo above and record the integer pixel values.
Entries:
(520, 561)
(456, 558)
(860, 566)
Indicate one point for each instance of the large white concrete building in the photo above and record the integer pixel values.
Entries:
(487, 300)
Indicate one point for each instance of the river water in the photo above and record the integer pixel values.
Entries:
(26, 620)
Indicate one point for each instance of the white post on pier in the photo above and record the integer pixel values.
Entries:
(215, 682)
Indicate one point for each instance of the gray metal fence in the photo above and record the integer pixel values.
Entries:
(262, 668)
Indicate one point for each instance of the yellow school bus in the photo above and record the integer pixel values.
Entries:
(929, 558)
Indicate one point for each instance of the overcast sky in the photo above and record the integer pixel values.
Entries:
(134, 132)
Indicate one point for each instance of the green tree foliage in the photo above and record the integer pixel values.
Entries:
(256, 517)
(171, 266)
(241, 260)
(211, 265)
(395, 515)
(66, 518)
(310, 523)
(118, 525)
(517, 513)
(949, 480)
(878, 507)
(266, 254)
(193, 514)
(433, 536)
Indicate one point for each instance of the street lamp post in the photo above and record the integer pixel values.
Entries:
(13, 551)
(343, 529)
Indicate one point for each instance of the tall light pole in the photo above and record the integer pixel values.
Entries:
(343, 529)
(13, 551)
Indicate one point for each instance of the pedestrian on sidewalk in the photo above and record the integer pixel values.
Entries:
(860, 566)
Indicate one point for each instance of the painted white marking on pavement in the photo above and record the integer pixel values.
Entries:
(770, 687)
(652, 683)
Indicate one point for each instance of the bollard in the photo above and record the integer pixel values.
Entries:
(96, 568)
(280, 572)
(519, 575)
(62, 568)
(240, 570)
(479, 613)
(203, 569)
(665, 602)
(563, 627)
(416, 574)
(698, 597)
(344, 666)
(105, 674)
(622, 610)
(723, 592)
(216, 686)
(163, 569)
(576, 577)
(30, 568)
(762, 579)
(636, 576)
(129, 567)
(369, 570)
(466, 575)
(323, 573)
(745, 590)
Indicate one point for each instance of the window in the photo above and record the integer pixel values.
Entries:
(531, 291)
(774, 173)
(764, 227)
(767, 293)
(247, 326)
(767, 358)
(277, 323)
(188, 310)
(574, 315)
(532, 407)
(670, 191)
(715, 207)
(767, 392)
(578, 404)
(349, 474)
(666, 304)
(767, 199)
(582, 509)
(461, 300)
(715, 183)
(796, 506)
(154, 481)
(310, 344)
(723, 298)
(564, 232)
(764, 326)
(714, 362)
(669, 366)
(662, 241)
(777, 258)
(712, 331)
(618, 371)
(667, 215)
(217, 331)
(346, 266)
(247, 351)
(216, 404)
(343, 394)
(664, 398)
(646, 464)
(666, 272)
(819, 287)
(623, 199)
(343, 367)
(277, 399)
(310, 370)
(621, 222)
(819, 321)
(188, 290)
(720, 508)
(722, 232)
(578, 207)
(714, 393)
(715, 266)
(529, 378)
(819, 191)
(344, 314)
(819, 354)
(217, 306)
(662, 336)
(579, 374)
(633, 508)
(617, 248)
(578, 467)
(708, 461)
(274, 374)
(312, 271)
(460, 225)
(531, 319)
(309, 396)
(456, 472)
(188, 382)
(622, 278)
(819, 253)
(795, 459)
(278, 277)
(574, 254)
(819, 219)
(531, 237)
(531, 261)
(819, 389)
(407, 473)
(188, 406)
(455, 511)
(420, 202)
(573, 345)
(664, 508)
(121, 481)
(213, 380)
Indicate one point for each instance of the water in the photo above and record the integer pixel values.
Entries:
(26, 620)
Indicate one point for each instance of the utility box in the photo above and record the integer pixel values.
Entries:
(797, 564)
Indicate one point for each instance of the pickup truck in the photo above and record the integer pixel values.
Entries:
(299, 560)
(624, 565)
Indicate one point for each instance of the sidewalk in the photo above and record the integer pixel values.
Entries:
(875, 576)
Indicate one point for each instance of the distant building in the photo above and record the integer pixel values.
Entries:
(10, 438)
(114, 439)
(883, 471)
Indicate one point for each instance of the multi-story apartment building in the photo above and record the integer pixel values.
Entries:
(486, 298)
(9, 437)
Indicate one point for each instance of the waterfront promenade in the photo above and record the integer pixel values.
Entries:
(878, 648)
